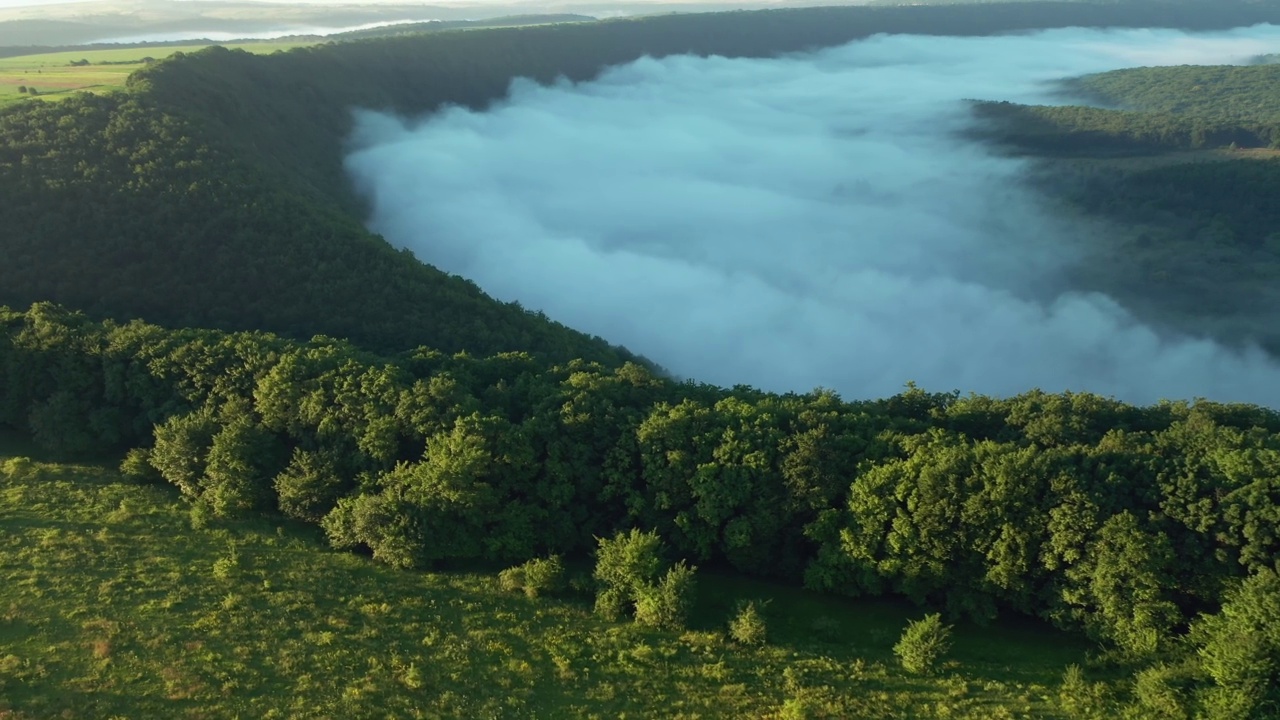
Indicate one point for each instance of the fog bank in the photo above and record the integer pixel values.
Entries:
(813, 220)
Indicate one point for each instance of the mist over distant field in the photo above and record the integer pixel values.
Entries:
(272, 33)
(813, 220)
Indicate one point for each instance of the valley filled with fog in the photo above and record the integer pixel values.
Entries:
(812, 220)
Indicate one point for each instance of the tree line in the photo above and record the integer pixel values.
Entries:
(1128, 523)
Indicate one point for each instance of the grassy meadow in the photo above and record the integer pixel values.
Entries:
(53, 76)
(117, 600)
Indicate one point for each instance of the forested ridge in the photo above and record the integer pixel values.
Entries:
(119, 208)
(1150, 109)
(140, 185)
(1119, 521)
(1184, 160)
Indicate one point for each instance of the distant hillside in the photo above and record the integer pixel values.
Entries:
(1184, 158)
(212, 192)
(117, 207)
(293, 110)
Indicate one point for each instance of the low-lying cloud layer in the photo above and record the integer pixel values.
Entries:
(813, 220)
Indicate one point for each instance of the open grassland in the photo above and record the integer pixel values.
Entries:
(53, 75)
(117, 601)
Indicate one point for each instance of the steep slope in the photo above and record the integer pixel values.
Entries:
(116, 206)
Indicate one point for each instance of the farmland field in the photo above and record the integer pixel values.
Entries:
(53, 76)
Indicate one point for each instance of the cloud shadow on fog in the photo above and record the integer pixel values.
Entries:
(811, 220)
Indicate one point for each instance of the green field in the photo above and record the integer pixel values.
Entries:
(115, 601)
(53, 75)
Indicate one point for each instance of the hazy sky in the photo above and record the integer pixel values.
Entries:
(33, 3)
(789, 223)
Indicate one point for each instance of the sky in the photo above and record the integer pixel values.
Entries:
(798, 222)
(35, 3)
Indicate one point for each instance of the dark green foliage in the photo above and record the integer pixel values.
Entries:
(1186, 167)
(1184, 107)
(181, 452)
(310, 486)
(923, 644)
(153, 219)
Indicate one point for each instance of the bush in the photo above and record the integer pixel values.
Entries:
(17, 468)
(536, 577)
(511, 579)
(626, 565)
(629, 561)
(582, 583)
(1080, 698)
(667, 604)
(225, 567)
(611, 604)
(242, 459)
(923, 644)
(1160, 692)
(137, 466)
(543, 575)
(747, 626)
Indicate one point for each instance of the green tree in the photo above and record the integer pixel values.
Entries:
(667, 604)
(748, 626)
(1124, 586)
(1239, 649)
(243, 458)
(923, 644)
(627, 572)
(182, 448)
(309, 487)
